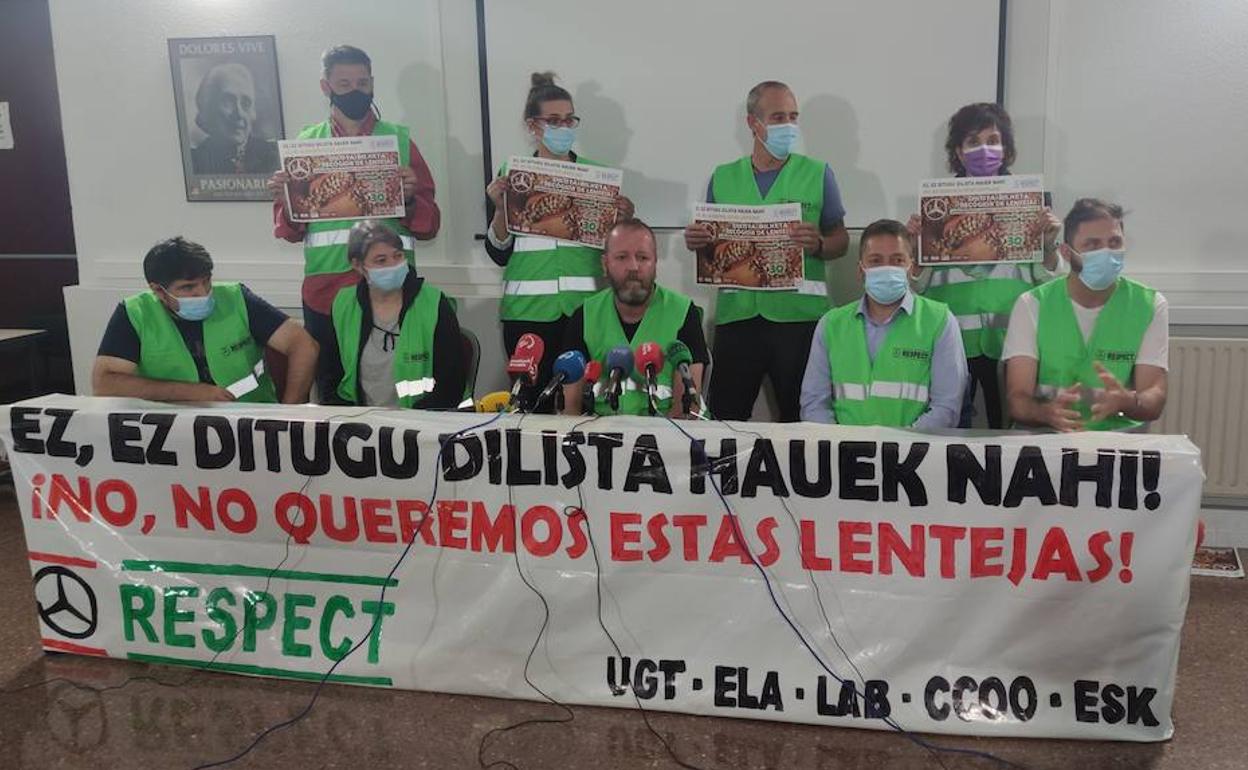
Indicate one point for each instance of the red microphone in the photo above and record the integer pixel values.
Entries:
(593, 371)
(524, 362)
(649, 361)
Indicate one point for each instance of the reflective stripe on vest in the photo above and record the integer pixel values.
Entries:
(249, 383)
(800, 181)
(854, 391)
(550, 286)
(339, 238)
(983, 321)
(811, 288)
(413, 388)
(629, 385)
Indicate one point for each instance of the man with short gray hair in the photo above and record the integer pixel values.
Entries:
(767, 333)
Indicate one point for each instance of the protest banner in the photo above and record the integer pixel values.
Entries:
(571, 202)
(752, 246)
(1000, 584)
(345, 177)
(981, 220)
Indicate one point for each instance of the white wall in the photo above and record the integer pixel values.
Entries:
(125, 172)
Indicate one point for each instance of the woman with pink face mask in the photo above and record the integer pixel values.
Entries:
(981, 143)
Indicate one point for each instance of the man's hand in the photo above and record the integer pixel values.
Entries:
(408, 175)
(807, 236)
(277, 185)
(698, 236)
(1115, 399)
(1052, 226)
(1057, 413)
(624, 208)
(209, 392)
(913, 226)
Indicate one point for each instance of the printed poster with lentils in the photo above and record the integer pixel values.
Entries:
(981, 220)
(753, 245)
(570, 202)
(346, 177)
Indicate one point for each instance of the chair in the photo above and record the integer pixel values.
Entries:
(471, 347)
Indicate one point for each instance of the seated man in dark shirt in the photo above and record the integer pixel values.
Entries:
(186, 339)
(632, 311)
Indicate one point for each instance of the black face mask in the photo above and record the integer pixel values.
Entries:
(353, 104)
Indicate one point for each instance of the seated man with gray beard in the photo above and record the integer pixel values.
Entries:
(632, 311)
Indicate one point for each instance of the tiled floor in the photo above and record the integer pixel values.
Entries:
(191, 718)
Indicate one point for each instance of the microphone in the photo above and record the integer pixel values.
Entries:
(569, 368)
(593, 371)
(619, 367)
(524, 363)
(493, 402)
(649, 362)
(681, 357)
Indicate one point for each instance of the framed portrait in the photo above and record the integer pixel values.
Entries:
(229, 106)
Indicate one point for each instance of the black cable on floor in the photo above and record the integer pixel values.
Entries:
(320, 685)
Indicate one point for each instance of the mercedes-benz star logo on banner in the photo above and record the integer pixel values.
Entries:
(66, 604)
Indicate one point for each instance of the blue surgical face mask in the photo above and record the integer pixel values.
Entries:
(887, 284)
(780, 139)
(1101, 268)
(195, 308)
(388, 278)
(558, 139)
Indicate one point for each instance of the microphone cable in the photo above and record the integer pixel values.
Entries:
(932, 748)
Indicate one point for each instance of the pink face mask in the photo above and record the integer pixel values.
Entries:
(984, 160)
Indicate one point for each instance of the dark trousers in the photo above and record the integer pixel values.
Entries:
(328, 363)
(983, 374)
(551, 333)
(745, 351)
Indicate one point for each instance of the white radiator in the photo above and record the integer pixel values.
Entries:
(1208, 401)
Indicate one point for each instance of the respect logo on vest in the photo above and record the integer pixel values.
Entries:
(1115, 356)
(236, 347)
(912, 354)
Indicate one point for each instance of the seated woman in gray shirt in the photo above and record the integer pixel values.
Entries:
(398, 340)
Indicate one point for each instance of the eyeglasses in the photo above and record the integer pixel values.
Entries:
(572, 121)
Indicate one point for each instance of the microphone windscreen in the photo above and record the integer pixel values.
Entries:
(494, 402)
(620, 357)
(527, 356)
(571, 364)
(593, 370)
(678, 353)
(649, 357)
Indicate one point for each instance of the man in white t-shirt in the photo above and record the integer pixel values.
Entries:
(1090, 351)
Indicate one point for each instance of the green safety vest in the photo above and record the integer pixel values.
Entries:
(325, 243)
(413, 352)
(661, 324)
(1065, 359)
(546, 280)
(800, 181)
(981, 298)
(232, 353)
(892, 390)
